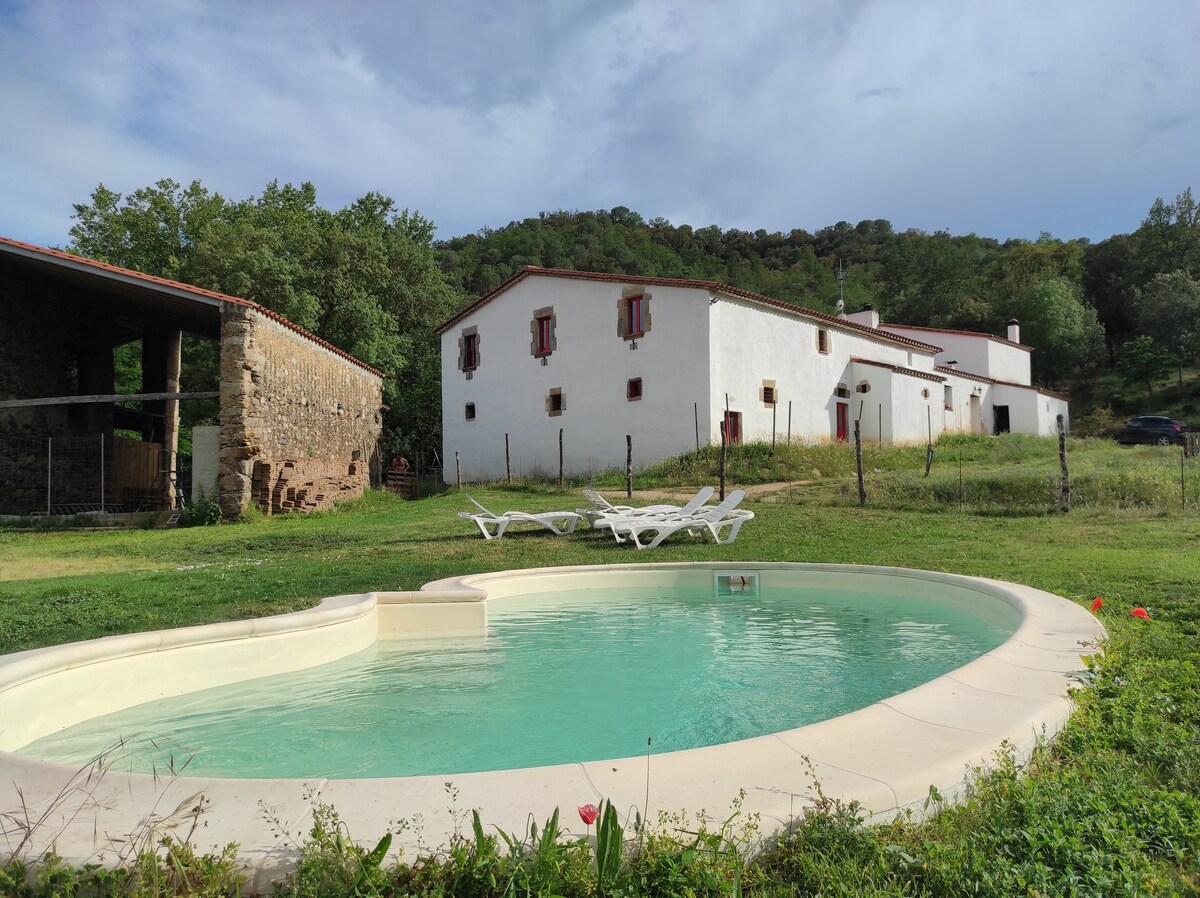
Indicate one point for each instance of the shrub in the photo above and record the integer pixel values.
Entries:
(205, 510)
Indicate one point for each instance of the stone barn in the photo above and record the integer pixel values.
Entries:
(296, 422)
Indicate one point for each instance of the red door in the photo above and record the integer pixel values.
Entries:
(843, 421)
(733, 427)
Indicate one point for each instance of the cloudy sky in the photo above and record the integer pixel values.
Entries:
(1000, 118)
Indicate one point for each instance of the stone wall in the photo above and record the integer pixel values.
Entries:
(294, 410)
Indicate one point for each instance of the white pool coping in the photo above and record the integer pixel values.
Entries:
(885, 756)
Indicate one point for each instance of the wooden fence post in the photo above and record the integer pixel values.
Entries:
(507, 461)
(628, 465)
(1062, 463)
(560, 458)
(862, 488)
(928, 440)
(457, 471)
(696, 415)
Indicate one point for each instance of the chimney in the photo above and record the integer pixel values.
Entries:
(953, 363)
(866, 315)
(1014, 330)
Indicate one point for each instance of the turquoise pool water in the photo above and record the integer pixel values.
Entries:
(569, 676)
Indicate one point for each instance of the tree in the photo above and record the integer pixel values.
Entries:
(1112, 273)
(1169, 311)
(1142, 362)
(365, 278)
(1064, 330)
(1169, 238)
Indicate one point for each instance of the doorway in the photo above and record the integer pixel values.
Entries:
(976, 415)
(843, 421)
(1000, 417)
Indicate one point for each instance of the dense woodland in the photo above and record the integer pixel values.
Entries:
(371, 279)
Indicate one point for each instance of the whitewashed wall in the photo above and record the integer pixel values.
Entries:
(591, 365)
(1030, 411)
(957, 419)
(976, 353)
(750, 344)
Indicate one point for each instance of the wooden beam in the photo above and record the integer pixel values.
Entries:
(119, 397)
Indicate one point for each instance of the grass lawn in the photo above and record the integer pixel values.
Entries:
(1110, 809)
(68, 585)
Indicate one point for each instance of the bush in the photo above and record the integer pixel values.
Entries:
(205, 510)
(1100, 422)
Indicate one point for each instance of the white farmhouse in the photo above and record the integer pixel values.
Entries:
(586, 359)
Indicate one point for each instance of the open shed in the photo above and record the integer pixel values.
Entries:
(298, 420)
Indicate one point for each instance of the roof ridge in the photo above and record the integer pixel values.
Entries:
(715, 286)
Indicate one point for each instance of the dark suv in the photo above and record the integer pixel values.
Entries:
(1153, 429)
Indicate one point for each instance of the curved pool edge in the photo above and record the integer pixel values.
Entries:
(885, 756)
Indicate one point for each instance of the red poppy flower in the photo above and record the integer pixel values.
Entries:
(1140, 612)
(588, 813)
(1096, 603)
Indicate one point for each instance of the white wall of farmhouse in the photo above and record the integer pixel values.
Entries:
(977, 353)
(591, 366)
(752, 346)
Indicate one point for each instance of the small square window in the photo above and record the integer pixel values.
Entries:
(470, 411)
(769, 395)
(633, 389)
(555, 403)
(822, 340)
(842, 391)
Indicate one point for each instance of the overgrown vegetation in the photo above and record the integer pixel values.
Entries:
(1108, 808)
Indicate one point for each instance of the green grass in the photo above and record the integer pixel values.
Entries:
(1109, 808)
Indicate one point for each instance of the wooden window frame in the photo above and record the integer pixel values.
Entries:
(556, 404)
(633, 393)
(631, 297)
(468, 349)
(823, 340)
(543, 333)
(768, 393)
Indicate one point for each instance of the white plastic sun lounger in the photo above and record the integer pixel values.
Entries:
(558, 522)
(602, 508)
(722, 522)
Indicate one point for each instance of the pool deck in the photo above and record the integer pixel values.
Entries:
(886, 756)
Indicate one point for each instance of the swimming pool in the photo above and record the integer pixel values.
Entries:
(560, 676)
(886, 755)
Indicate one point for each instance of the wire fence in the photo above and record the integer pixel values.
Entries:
(82, 473)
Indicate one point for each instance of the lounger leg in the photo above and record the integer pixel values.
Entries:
(501, 526)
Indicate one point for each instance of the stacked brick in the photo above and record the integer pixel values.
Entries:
(300, 485)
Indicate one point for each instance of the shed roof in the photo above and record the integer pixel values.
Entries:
(189, 308)
(711, 286)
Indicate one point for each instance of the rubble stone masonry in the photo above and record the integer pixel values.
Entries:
(300, 424)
